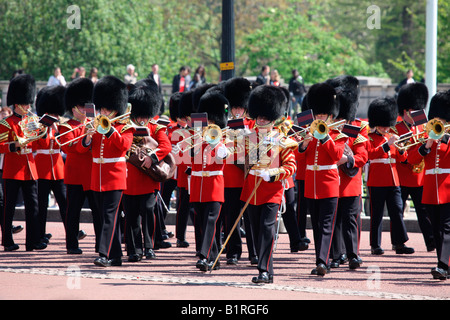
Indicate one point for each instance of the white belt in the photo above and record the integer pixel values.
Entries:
(108, 160)
(320, 168)
(383, 160)
(206, 173)
(437, 171)
(25, 151)
(47, 151)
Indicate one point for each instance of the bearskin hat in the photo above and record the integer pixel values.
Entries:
(185, 106)
(237, 91)
(322, 99)
(440, 106)
(110, 93)
(382, 112)
(145, 101)
(78, 93)
(412, 96)
(215, 104)
(199, 92)
(173, 105)
(50, 100)
(266, 101)
(348, 91)
(21, 90)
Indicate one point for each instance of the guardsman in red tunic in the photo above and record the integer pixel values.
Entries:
(322, 152)
(77, 167)
(270, 164)
(347, 231)
(109, 168)
(413, 97)
(19, 168)
(139, 198)
(49, 161)
(237, 91)
(184, 208)
(383, 181)
(207, 182)
(436, 184)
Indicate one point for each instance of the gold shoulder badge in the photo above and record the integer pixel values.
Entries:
(5, 123)
(359, 139)
(159, 127)
(341, 136)
(126, 127)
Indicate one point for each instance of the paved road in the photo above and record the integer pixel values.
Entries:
(52, 274)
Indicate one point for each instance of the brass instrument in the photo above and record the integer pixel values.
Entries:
(32, 129)
(101, 123)
(434, 129)
(212, 134)
(322, 128)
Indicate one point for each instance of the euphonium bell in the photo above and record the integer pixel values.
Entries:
(212, 134)
(102, 124)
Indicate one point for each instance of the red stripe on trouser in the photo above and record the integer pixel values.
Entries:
(114, 229)
(214, 234)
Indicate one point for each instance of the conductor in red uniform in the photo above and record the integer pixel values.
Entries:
(269, 164)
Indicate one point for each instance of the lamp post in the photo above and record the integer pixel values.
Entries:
(228, 48)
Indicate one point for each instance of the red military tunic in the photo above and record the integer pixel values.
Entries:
(18, 165)
(77, 168)
(183, 160)
(109, 168)
(138, 182)
(383, 165)
(281, 166)
(234, 175)
(352, 186)
(49, 162)
(322, 176)
(409, 175)
(436, 182)
(207, 181)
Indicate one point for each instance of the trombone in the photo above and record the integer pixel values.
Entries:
(435, 129)
(211, 134)
(101, 123)
(323, 128)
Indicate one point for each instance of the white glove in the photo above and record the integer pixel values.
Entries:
(264, 174)
(222, 152)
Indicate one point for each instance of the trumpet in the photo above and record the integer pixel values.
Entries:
(32, 129)
(322, 128)
(435, 129)
(101, 123)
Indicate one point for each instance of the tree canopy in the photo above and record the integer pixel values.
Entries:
(321, 38)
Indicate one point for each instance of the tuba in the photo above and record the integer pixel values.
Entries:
(145, 146)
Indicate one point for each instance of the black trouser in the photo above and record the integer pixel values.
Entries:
(421, 212)
(440, 220)
(230, 211)
(108, 203)
(59, 190)
(347, 229)
(289, 217)
(184, 210)
(263, 218)
(323, 218)
(393, 199)
(208, 213)
(167, 189)
(75, 200)
(302, 208)
(29, 192)
(139, 209)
